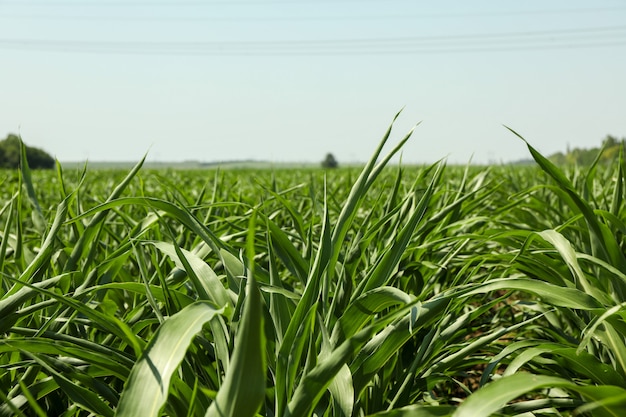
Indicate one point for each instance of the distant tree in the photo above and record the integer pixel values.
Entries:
(10, 155)
(559, 158)
(611, 153)
(329, 161)
(606, 154)
(610, 141)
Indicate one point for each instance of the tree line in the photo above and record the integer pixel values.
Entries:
(609, 150)
(10, 150)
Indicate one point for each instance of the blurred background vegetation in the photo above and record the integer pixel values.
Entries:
(10, 154)
(40, 159)
(606, 153)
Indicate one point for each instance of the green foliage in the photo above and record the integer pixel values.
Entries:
(406, 291)
(606, 154)
(10, 150)
(330, 161)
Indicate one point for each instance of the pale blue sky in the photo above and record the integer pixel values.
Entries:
(293, 80)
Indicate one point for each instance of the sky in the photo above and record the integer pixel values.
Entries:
(292, 80)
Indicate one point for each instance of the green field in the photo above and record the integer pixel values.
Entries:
(374, 291)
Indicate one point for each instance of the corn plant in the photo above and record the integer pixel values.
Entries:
(377, 291)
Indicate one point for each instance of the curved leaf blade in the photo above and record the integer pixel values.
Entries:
(148, 384)
(495, 395)
(243, 389)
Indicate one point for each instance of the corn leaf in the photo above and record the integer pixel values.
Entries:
(243, 389)
(147, 387)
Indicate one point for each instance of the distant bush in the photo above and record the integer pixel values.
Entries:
(329, 161)
(607, 153)
(10, 155)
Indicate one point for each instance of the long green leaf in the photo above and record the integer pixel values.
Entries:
(550, 293)
(79, 395)
(84, 240)
(389, 261)
(148, 385)
(243, 389)
(39, 264)
(386, 343)
(497, 394)
(10, 304)
(364, 308)
(109, 360)
(204, 278)
(37, 214)
(315, 382)
(603, 242)
(418, 411)
(603, 401)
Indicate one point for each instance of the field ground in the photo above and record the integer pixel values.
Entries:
(362, 291)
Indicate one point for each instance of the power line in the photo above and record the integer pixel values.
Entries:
(548, 39)
(586, 31)
(163, 50)
(186, 3)
(406, 16)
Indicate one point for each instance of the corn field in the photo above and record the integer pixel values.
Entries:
(379, 291)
